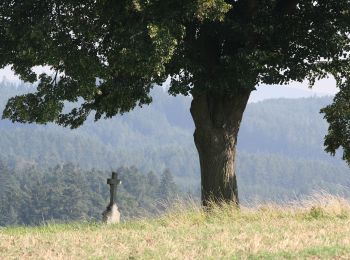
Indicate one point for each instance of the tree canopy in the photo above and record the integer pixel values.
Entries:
(109, 54)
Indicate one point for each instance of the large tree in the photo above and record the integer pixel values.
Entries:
(109, 54)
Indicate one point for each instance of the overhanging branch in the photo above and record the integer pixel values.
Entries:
(286, 6)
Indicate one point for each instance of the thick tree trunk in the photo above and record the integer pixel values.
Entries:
(217, 117)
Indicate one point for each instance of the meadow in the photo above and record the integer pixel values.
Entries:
(316, 228)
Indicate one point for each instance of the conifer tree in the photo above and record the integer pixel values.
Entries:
(167, 191)
(9, 197)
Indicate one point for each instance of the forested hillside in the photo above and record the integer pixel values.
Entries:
(280, 145)
(32, 196)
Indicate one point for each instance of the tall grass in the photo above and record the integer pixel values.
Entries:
(317, 227)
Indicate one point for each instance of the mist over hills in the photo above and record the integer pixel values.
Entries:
(280, 146)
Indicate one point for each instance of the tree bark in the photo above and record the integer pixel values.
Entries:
(217, 118)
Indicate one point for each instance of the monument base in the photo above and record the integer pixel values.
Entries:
(111, 215)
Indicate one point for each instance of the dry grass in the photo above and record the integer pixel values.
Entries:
(317, 228)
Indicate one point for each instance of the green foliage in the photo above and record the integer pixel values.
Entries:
(338, 117)
(130, 45)
(214, 10)
(124, 45)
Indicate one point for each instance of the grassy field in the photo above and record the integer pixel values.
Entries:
(315, 229)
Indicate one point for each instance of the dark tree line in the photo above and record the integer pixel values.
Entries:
(66, 193)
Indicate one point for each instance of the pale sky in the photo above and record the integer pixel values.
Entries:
(324, 87)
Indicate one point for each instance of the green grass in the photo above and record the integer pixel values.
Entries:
(312, 252)
(316, 229)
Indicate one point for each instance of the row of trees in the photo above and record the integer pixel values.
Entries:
(67, 193)
(31, 195)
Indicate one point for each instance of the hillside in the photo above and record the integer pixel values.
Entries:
(280, 146)
(316, 229)
(66, 193)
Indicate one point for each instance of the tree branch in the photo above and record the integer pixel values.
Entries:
(286, 6)
(245, 9)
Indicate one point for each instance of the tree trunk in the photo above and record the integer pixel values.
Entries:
(217, 117)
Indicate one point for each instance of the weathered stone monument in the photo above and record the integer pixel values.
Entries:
(112, 215)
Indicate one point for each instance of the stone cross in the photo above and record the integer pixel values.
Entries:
(113, 182)
(112, 215)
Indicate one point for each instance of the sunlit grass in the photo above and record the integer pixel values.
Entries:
(315, 228)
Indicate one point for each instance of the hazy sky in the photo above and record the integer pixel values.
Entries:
(295, 90)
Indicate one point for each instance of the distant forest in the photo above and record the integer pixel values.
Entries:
(64, 193)
(280, 149)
